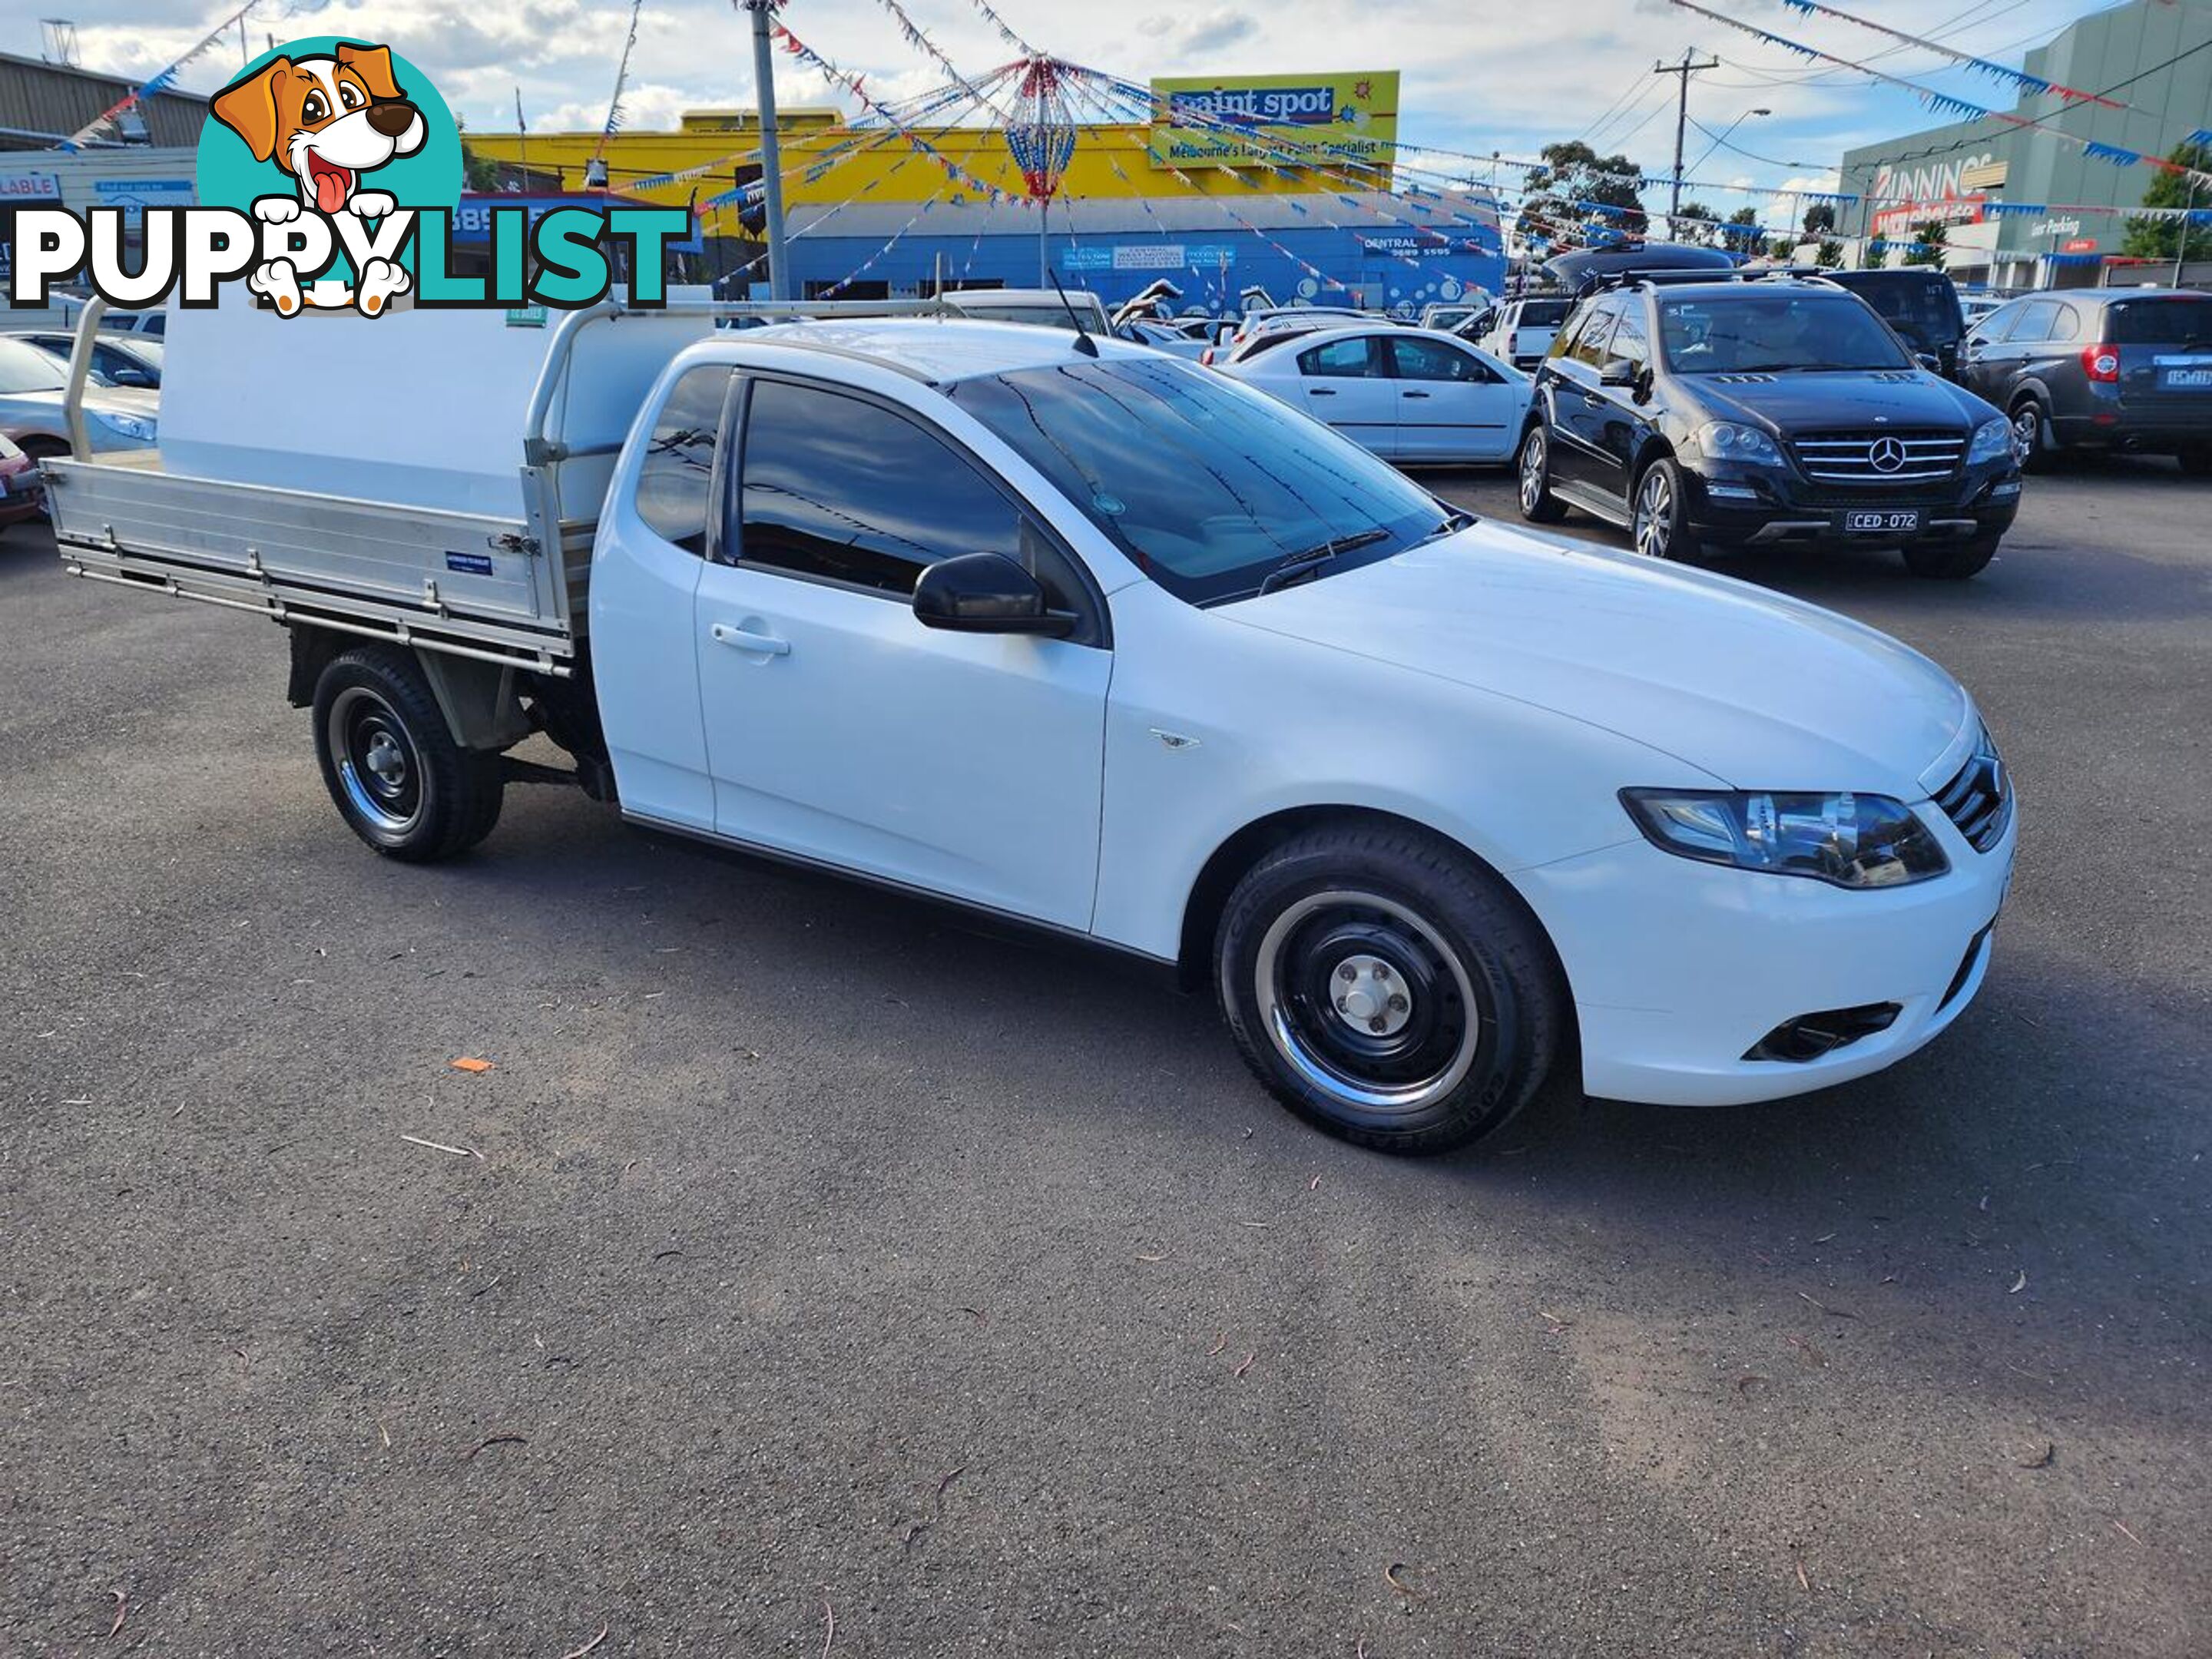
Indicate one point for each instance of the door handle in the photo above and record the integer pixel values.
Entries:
(1591, 400)
(739, 639)
(1320, 392)
(1412, 394)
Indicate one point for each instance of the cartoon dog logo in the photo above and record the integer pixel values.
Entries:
(326, 121)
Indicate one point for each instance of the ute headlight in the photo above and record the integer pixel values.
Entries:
(1845, 840)
(1727, 440)
(136, 427)
(1993, 441)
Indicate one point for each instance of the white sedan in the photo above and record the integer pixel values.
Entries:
(1409, 394)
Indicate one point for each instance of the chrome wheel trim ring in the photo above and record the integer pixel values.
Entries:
(2026, 431)
(1280, 1020)
(378, 766)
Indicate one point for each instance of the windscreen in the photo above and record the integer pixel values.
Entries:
(2174, 322)
(24, 367)
(1747, 333)
(1206, 485)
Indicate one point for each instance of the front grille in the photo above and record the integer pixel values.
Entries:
(1879, 458)
(1979, 799)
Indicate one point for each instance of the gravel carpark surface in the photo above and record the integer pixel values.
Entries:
(818, 1255)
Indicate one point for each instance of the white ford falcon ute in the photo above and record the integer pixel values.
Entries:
(1441, 808)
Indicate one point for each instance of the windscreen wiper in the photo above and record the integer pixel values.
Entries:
(1301, 566)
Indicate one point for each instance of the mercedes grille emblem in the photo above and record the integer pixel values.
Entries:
(1886, 455)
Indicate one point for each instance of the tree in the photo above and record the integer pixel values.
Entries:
(1695, 223)
(478, 172)
(1574, 173)
(1929, 237)
(1829, 255)
(1742, 230)
(1819, 218)
(2168, 239)
(1782, 248)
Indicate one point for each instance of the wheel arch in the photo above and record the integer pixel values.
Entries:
(1228, 862)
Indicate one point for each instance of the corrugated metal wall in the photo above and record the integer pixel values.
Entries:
(39, 103)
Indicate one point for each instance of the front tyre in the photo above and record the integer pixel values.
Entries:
(1388, 989)
(389, 760)
(1534, 470)
(1660, 522)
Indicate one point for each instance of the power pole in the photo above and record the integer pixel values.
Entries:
(1688, 67)
(779, 266)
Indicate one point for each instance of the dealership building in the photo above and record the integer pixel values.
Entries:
(2153, 56)
(1305, 206)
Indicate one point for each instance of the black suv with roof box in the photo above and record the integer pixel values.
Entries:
(1757, 411)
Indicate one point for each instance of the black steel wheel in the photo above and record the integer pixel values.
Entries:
(390, 762)
(1386, 988)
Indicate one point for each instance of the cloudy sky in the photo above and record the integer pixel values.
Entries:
(1480, 75)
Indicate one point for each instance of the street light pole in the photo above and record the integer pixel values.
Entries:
(779, 267)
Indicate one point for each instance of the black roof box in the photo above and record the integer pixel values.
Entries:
(1585, 267)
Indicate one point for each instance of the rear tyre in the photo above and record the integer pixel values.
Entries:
(389, 760)
(1951, 562)
(1533, 468)
(43, 450)
(1388, 989)
(1660, 522)
(2032, 439)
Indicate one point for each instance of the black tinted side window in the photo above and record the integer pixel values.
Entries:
(674, 482)
(845, 490)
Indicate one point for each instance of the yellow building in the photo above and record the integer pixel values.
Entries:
(725, 141)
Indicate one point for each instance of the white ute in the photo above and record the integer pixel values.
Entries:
(1078, 633)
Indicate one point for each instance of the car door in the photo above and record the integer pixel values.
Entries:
(1347, 382)
(1613, 418)
(842, 731)
(2005, 358)
(1982, 364)
(1452, 405)
(1578, 404)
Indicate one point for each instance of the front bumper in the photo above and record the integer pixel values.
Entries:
(1679, 969)
(1763, 509)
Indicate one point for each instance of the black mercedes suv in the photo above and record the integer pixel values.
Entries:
(1764, 410)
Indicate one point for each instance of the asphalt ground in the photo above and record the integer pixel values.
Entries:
(816, 1256)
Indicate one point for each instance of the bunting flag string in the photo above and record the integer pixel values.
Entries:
(2018, 77)
(814, 60)
(983, 9)
(1941, 101)
(923, 43)
(869, 263)
(622, 79)
(152, 88)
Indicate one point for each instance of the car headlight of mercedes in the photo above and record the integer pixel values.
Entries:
(138, 429)
(1846, 840)
(1728, 441)
(1992, 441)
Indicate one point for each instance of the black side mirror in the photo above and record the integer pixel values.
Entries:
(986, 593)
(1928, 361)
(1618, 371)
(138, 377)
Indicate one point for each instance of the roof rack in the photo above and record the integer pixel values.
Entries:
(1666, 276)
